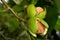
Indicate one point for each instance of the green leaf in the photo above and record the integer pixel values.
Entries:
(22, 15)
(11, 3)
(57, 26)
(18, 8)
(12, 25)
(34, 1)
(51, 17)
(57, 4)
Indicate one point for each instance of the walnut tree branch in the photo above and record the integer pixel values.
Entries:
(8, 7)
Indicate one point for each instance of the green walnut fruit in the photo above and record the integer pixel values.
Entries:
(31, 23)
(31, 10)
(41, 13)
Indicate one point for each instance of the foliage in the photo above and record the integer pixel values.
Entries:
(13, 29)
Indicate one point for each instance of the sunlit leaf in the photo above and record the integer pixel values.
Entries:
(57, 26)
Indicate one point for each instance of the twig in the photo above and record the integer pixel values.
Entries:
(8, 7)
